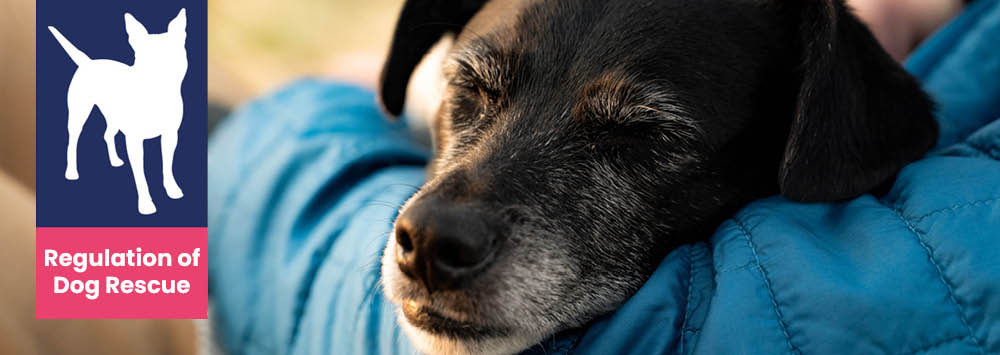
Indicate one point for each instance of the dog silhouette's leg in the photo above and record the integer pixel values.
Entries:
(109, 139)
(168, 142)
(79, 109)
(133, 146)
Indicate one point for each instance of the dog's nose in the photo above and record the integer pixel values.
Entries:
(443, 245)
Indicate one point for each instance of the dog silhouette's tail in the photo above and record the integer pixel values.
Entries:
(78, 56)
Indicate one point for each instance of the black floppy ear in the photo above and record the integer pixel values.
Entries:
(859, 117)
(421, 24)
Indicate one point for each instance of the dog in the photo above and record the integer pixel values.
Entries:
(577, 142)
(143, 101)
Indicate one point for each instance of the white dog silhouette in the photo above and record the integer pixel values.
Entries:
(142, 101)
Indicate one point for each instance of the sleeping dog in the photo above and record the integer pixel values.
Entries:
(579, 141)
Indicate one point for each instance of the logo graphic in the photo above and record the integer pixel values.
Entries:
(143, 87)
(142, 101)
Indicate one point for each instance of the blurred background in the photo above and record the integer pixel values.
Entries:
(257, 45)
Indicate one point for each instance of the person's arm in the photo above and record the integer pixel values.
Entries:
(900, 25)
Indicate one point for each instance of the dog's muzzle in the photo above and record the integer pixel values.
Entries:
(444, 245)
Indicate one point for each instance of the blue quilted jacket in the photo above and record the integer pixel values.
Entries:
(304, 185)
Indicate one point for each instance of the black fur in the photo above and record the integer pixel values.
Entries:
(421, 24)
(608, 132)
(859, 118)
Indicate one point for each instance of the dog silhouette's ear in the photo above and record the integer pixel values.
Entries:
(179, 23)
(859, 116)
(133, 27)
(421, 24)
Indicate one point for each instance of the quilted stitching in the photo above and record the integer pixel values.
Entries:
(767, 283)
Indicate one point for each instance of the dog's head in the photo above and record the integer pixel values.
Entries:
(165, 49)
(579, 141)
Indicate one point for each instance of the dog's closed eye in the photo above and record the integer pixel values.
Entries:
(619, 109)
(486, 90)
(484, 66)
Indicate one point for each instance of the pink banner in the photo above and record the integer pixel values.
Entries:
(98, 272)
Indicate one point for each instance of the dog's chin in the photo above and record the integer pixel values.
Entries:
(431, 339)
(443, 332)
(434, 330)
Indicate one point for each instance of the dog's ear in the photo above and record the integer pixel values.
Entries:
(179, 23)
(859, 116)
(133, 27)
(421, 24)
